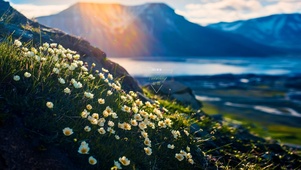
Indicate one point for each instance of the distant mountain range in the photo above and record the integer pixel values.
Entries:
(152, 29)
(282, 30)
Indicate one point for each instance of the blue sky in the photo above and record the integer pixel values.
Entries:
(199, 11)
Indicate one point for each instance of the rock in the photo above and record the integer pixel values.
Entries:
(179, 92)
(196, 130)
(19, 27)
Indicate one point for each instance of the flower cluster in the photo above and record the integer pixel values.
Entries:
(107, 111)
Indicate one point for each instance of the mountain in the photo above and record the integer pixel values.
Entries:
(151, 29)
(282, 30)
(14, 24)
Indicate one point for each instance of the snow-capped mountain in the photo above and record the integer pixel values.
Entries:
(282, 30)
(152, 29)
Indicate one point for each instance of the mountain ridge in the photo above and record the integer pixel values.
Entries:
(156, 31)
(278, 30)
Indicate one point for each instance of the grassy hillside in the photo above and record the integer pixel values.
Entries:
(49, 95)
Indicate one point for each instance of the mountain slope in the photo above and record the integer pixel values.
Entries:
(16, 25)
(152, 29)
(282, 30)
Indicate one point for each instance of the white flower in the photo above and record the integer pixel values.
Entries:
(144, 134)
(92, 120)
(87, 128)
(142, 125)
(114, 115)
(191, 161)
(161, 124)
(67, 131)
(123, 98)
(77, 85)
(152, 125)
(124, 126)
(69, 56)
(186, 132)
(17, 43)
(110, 76)
(84, 113)
(53, 45)
(50, 51)
(92, 160)
(139, 102)
(27, 75)
(148, 150)
(101, 131)
(176, 133)
(148, 104)
(117, 164)
(135, 109)
(110, 123)
(49, 105)
(147, 142)
(29, 54)
(101, 75)
(105, 70)
(111, 130)
(76, 57)
(124, 161)
(56, 70)
(183, 153)
(84, 148)
(126, 109)
(67, 90)
(89, 95)
(168, 122)
(91, 77)
(133, 94)
(38, 58)
(43, 59)
(117, 137)
(61, 80)
(109, 92)
(89, 107)
(46, 45)
(83, 68)
(101, 122)
(152, 116)
(95, 115)
(71, 68)
(188, 156)
(188, 149)
(170, 146)
(138, 117)
(57, 65)
(101, 101)
(16, 78)
(180, 157)
(134, 122)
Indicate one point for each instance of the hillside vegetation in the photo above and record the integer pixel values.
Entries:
(49, 95)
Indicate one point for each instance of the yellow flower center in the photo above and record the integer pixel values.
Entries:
(84, 150)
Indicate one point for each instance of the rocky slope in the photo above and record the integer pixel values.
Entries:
(152, 29)
(17, 26)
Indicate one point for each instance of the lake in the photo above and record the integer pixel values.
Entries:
(179, 66)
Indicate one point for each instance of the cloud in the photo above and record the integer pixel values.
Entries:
(31, 11)
(230, 10)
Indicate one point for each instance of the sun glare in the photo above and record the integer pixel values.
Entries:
(119, 31)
